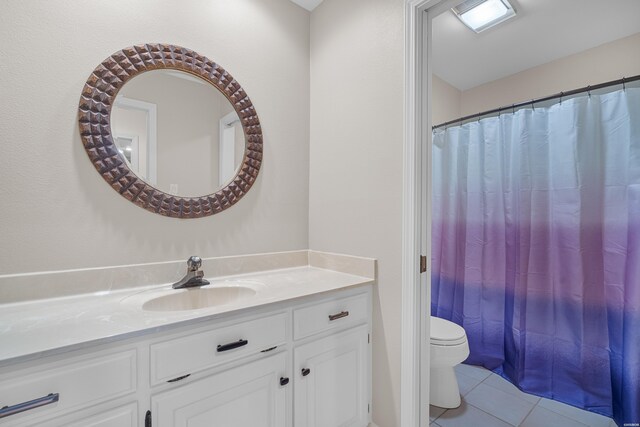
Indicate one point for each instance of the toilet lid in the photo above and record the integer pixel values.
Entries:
(444, 332)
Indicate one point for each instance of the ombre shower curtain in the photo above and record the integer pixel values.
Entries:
(536, 247)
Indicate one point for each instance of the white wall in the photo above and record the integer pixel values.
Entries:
(610, 61)
(56, 212)
(355, 194)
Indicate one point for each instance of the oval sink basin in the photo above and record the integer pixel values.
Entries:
(195, 298)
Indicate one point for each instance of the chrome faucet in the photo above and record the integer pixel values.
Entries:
(194, 276)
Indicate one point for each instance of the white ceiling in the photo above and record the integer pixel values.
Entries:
(543, 30)
(308, 4)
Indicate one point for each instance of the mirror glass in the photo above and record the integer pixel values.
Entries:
(177, 132)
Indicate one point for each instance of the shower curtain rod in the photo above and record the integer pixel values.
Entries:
(560, 95)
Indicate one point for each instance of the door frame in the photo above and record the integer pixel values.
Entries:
(226, 147)
(416, 215)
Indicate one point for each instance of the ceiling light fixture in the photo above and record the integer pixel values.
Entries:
(480, 15)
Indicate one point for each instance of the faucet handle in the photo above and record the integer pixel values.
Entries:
(194, 263)
(194, 276)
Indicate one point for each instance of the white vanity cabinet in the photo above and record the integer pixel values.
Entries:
(234, 373)
(332, 363)
(300, 363)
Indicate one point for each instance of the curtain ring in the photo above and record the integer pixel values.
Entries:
(624, 85)
(561, 95)
(513, 108)
(533, 104)
(589, 90)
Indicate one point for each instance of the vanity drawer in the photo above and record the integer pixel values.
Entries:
(188, 354)
(59, 388)
(119, 416)
(332, 314)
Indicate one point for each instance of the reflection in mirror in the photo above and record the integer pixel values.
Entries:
(177, 132)
(128, 148)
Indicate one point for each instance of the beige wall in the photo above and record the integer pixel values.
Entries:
(610, 61)
(603, 63)
(446, 101)
(355, 194)
(58, 213)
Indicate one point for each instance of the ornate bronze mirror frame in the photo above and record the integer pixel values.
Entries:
(94, 117)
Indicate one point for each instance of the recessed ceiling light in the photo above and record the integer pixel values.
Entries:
(482, 14)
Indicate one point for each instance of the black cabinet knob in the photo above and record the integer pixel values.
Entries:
(284, 381)
(305, 372)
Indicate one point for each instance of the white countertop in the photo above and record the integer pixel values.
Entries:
(34, 329)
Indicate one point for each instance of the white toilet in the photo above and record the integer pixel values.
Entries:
(449, 347)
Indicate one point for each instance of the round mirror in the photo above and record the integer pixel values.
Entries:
(177, 132)
(170, 130)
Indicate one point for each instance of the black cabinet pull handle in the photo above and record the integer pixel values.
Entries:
(232, 345)
(337, 316)
(32, 404)
(305, 372)
(179, 378)
(284, 381)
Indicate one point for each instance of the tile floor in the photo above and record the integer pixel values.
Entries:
(489, 400)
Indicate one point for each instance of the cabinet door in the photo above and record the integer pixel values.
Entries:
(332, 381)
(249, 395)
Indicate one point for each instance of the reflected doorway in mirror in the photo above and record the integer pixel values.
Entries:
(128, 148)
(137, 121)
(230, 152)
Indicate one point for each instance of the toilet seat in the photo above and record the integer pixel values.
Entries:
(446, 333)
